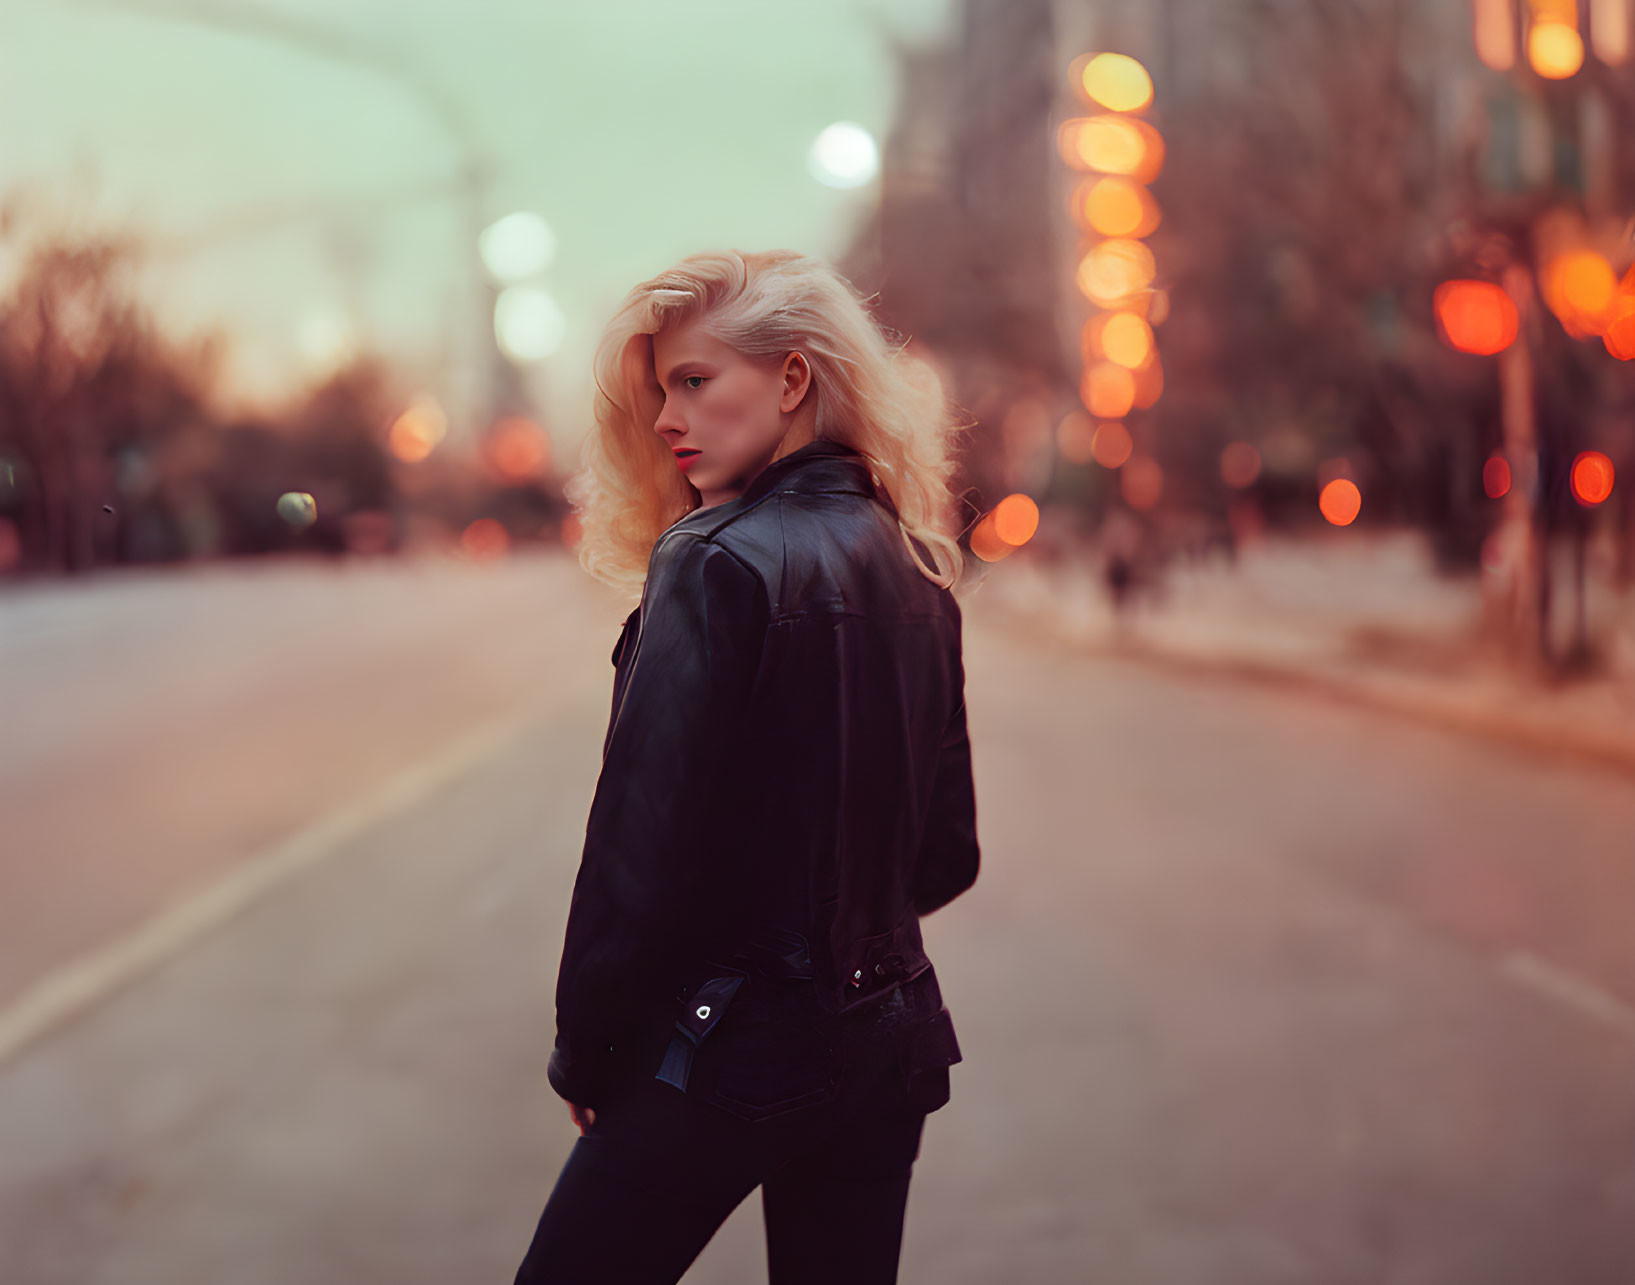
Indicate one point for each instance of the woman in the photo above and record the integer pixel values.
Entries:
(744, 999)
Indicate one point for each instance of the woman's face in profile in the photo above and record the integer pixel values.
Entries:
(724, 414)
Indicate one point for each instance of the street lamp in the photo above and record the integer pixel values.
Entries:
(1120, 153)
(844, 155)
(517, 246)
(528, 324)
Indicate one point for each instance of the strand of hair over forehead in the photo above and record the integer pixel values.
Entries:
(693, 300)
(706, 294)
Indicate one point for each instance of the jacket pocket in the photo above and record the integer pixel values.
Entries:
(773, 1054)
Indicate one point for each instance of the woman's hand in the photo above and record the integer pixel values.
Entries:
(584, 1117)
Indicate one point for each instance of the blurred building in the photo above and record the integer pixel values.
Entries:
(1327, 165)
(961, 249)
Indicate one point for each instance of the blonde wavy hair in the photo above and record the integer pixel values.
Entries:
(871, 395)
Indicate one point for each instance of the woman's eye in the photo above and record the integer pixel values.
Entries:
(699, 378)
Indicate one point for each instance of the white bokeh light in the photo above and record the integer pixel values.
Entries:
(528, 324)
(326, 339)
(517, 246)
(844, 155)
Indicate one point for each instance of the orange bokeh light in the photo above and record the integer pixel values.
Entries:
(1240, 465)
(1149, 383)
(1111, 445)
(1114, 270)
(416, 432)
(1554, 50)
(1496, 477)
(1476, 316)
(985, 541)
(1118, 82)
(1015, 519)
(1107, 390)
(407, 444)
(1075, 437)
(484, 538)
(1587, 281)
(518, 449)
(1340, 501)
(1127, 340)
(1592, 478)
(1619, 334)
(1112, 144)
(1142, 483)
(1090, 344)
(1116, 207)
(1580, 288)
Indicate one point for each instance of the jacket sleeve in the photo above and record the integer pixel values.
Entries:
(646, 876)
(949, 855)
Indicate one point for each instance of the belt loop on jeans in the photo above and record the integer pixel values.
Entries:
(699, 1017)
(678, 1062)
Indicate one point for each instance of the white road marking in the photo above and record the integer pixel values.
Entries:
(75, 988)
(1567, 989)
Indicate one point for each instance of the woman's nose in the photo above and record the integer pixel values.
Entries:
(668, 422)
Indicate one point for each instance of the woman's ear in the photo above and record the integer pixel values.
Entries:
(797, 378)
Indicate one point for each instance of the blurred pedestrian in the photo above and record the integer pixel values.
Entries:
(744, 999)
(1122, 540)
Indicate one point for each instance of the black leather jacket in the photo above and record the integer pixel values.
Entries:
(786, 779)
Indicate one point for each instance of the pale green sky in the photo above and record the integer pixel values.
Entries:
(642, 130)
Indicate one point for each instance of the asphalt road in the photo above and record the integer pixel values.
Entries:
(1252, 989)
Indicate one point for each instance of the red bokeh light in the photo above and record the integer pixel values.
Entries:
(1476, 316)
(485, 538)
(1619, 334)
(1592, 478)
(1111, 446)
(1340, 502)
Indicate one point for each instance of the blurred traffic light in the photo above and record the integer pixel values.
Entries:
(1340, 501)
(1592, 478)
(1476, 316)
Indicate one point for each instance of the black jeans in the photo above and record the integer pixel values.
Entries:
(646, 1187)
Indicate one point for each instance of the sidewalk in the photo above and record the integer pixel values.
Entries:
(1363, 619)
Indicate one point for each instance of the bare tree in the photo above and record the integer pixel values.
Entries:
(83, 373)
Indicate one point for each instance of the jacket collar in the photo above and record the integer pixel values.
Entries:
(821, 466)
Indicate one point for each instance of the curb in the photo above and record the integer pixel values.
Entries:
(1412, 701)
